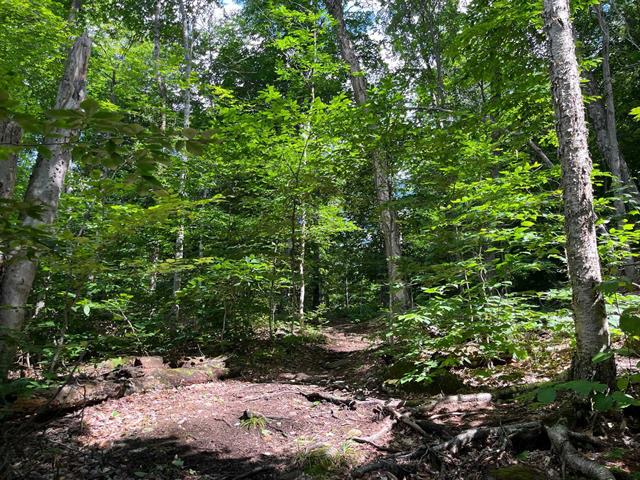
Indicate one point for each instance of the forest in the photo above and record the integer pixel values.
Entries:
(319, 239)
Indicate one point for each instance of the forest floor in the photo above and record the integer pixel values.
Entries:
(265, 424)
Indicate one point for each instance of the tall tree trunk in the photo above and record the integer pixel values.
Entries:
(398, 298)
(301, 265)
(316, 291)
(162, 89)
(10, 135)
(604, 122)
(187, 38)
(613, 154)
(592, 330)
(45, 187)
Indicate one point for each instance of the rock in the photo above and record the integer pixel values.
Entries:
(149, 362)
(515, 472)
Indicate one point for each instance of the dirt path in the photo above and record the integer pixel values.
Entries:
(201, 432)
(196, 432)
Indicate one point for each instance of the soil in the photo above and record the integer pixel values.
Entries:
(198, 432)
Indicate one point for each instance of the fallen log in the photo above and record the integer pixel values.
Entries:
(559, 436)
(75, 394)
(159, 379)
(82, 391)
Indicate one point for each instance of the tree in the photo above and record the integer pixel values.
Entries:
(592, 331)
(44, 189)
(398, 295)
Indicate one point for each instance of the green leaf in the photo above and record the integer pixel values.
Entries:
(630, 321)
(623, 382)
(546, 395)
(194, 147)
(86, 309)
(583, 387)
(602, 357)
(90, 106)
(622, 399)
(602, 402)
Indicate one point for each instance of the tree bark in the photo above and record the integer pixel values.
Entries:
(603, 118)
(187, 39)
(10, 135)
(613, 151)
(162, 89)
(301, 270)
(592, 331)
(45, 187)
(398, 297)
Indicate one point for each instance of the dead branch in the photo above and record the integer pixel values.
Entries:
(406, 419)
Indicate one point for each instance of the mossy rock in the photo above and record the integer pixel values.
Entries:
(515, 472)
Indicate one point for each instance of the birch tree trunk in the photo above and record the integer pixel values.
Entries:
(187, 38)
(162, 89)
(592, 331)
(301, 265)
(398, 298)
(44, 189)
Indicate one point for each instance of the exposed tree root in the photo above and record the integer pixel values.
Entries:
(388, 465)
(559, 436)
(373, 438)
(325, 397)
(467, 437)
(406, 419)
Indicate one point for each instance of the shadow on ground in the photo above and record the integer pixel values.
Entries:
(348, 358)
(57, 455)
